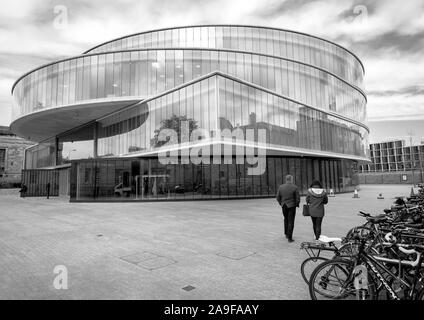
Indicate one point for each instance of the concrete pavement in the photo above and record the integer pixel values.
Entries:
(176, 250)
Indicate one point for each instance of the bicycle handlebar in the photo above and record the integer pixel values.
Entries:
(363, 214)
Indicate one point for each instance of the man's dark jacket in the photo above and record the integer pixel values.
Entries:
(288, 194)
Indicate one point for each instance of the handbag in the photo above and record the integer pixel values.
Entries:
(306, 210)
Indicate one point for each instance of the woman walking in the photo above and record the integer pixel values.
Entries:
(316, 199)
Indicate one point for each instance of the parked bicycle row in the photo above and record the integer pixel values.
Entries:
(381, 259)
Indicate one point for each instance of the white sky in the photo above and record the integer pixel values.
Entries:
(387, 35)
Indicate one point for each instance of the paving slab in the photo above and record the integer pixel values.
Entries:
(156, 263)
(140, 257)
(236, 254)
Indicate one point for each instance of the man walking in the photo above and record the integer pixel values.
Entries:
(288, 197)
(23, 190)
(48, 190)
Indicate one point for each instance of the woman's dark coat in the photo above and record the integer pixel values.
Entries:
(316, 199)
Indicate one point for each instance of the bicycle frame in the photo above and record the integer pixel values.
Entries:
(374, 264)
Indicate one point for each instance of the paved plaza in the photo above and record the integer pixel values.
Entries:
(174, 250)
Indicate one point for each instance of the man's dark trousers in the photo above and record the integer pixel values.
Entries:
(289, 217)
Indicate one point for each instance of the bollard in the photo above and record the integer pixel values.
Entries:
(356, 194)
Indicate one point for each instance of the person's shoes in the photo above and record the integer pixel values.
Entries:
(291, 240)
(286, 236)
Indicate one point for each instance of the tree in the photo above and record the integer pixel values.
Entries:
(173, 123)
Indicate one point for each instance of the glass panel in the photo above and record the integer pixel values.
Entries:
(109, 76)
(93, 77)
(126, 73)
(101, 77)
(86, 81)
(117, 74)
(160, 71)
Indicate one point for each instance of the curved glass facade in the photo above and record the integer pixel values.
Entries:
(219, 103)
(141, 74)
(281, 43)
(303, 92)
(148, 180)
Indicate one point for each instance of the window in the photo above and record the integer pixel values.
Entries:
(117, 74)
(2, 161)
(126, 73)
(109, 76)
(87, 175)
(79, 79)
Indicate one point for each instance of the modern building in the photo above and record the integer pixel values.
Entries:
(99, 117)
(12, 150)
(394, 156)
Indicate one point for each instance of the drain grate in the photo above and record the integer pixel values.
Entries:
(189, 288)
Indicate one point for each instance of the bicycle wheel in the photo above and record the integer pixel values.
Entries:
(309, 265)
(333, 279)
(348, 249)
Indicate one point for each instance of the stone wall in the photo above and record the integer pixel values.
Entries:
(392, 178)
(15, 149)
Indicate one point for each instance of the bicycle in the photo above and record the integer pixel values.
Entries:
(356, 278)
(314, 251)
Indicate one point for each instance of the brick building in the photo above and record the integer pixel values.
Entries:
(12, 150)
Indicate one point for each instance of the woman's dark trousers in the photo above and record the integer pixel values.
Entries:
(317, 222)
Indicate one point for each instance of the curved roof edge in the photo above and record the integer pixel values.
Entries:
(229, 25)
(301, 152)
(200, 49)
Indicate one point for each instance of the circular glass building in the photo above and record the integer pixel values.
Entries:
(188, 113)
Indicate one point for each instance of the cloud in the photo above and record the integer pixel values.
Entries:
(410, 91)
(396, 106)
(391, 41)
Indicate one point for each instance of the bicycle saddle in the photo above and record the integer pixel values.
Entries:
(326, 239)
